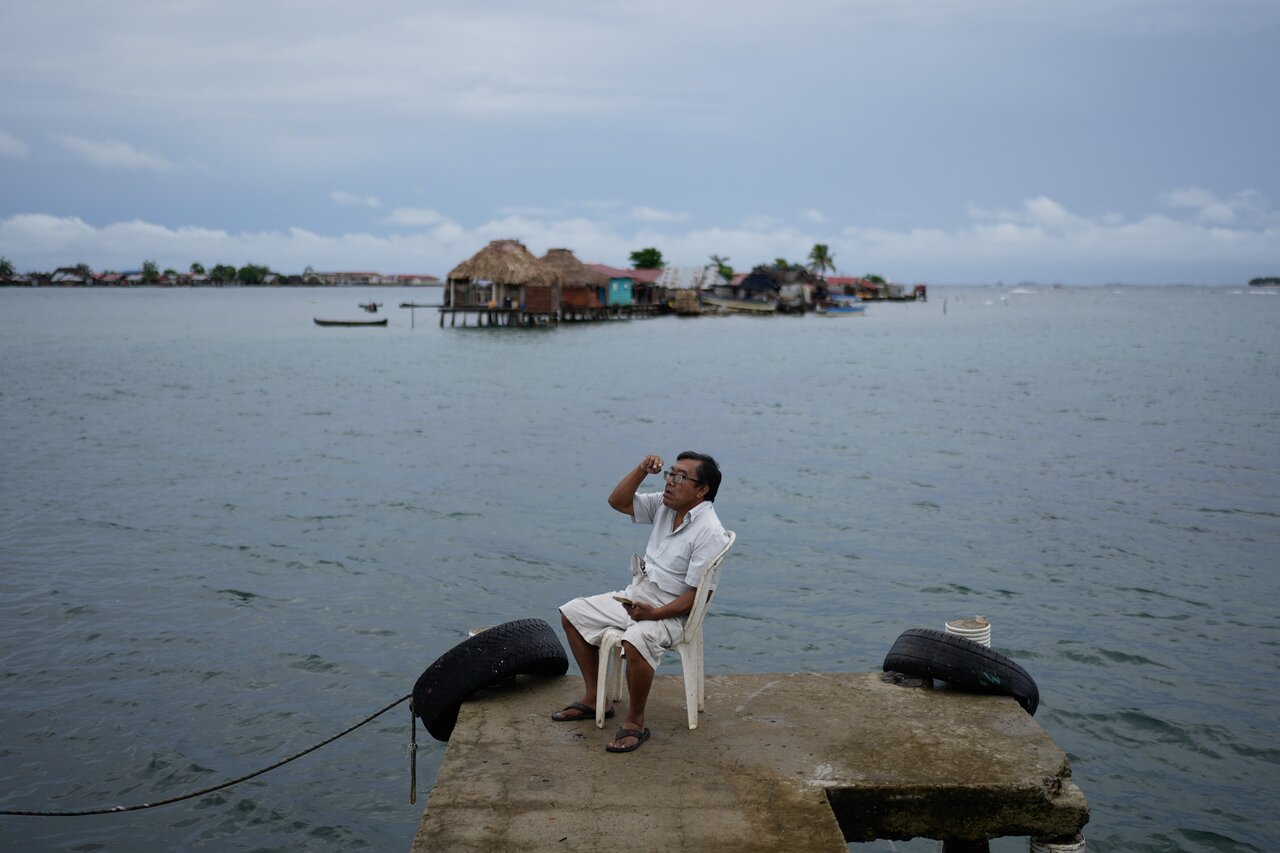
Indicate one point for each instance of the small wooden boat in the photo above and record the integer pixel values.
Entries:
(741, 306)
(371, 307)
(840, 305)
(320, 322)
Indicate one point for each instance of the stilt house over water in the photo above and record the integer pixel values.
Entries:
(580, 286)
(502, 275)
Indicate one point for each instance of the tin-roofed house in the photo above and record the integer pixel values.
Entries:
(641, 285)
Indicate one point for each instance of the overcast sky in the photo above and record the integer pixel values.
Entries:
(941, 141)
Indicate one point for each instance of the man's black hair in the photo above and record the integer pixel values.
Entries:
(708, 472)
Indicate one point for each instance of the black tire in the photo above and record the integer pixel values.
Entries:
(964, 664)
(522, 647)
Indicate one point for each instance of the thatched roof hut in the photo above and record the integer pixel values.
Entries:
(573, 272)
(505, 262)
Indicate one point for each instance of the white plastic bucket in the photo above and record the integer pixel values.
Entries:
(976, 628)
(1044, 845)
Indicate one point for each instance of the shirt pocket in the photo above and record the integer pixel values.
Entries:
(677, 555)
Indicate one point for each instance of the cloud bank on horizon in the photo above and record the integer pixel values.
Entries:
(975, 141)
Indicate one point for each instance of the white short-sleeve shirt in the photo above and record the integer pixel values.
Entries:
(675, 559)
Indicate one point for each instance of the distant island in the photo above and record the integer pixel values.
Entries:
(1269, 281)
(222, 275)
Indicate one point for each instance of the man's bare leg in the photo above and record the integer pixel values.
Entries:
(639, 682)
(588, 658)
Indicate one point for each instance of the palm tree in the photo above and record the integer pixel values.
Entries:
(821, 259)
(722, 267)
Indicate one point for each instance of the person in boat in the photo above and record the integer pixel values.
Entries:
(686, 537)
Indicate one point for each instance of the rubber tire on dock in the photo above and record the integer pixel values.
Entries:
(962, 663)
(522, 647)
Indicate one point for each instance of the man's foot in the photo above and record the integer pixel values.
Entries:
(627, 740)
(578, 711)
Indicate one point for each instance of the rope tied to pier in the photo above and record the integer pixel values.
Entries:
(237, 780)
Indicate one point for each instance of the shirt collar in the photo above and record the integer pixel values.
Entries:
(692, 514)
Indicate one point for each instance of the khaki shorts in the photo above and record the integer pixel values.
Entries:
(592, 614)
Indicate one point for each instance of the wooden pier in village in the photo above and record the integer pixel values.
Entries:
(485, 315)
(797, 762)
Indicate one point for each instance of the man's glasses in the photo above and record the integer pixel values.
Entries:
(678, 477)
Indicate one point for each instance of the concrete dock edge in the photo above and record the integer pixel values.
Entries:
(797, 762)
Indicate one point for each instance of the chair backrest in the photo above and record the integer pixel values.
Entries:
(710, 576)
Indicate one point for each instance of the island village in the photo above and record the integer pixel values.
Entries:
(505, 284)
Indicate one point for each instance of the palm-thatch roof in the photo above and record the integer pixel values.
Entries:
(505, 262)
(573, 272)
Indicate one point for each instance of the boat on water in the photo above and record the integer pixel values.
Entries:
(740, 305)
(371, 307)
(320, 322)
(840, 305)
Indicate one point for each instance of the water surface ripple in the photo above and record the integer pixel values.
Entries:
(226, 534)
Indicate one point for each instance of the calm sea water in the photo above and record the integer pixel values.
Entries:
(226, 534)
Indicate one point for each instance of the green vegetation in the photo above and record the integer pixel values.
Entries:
(821, 259)
(252, 274)
(197, 269)
(874, 279)
(150, 272)
(647, 259)
(1268, 281)
(223, 272)
(6, 268)
(722, 267)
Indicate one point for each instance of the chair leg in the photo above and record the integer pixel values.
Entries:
(702, 678)
(615, 681)
(608, 685)
(692, 665)
(601, 678)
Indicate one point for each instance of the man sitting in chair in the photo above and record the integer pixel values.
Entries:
(687, 536)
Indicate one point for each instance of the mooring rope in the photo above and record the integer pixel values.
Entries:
(220, 786)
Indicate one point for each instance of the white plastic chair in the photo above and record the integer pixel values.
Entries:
(609, 678)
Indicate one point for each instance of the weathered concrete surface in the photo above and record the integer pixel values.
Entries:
(796, 762)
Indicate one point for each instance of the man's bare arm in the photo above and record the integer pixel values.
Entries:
(623, 496)
(640, 611)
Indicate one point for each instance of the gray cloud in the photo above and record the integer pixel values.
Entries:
(1042, 240)
(900, 127)
(114, 154)
(352, 199)
(12, 146)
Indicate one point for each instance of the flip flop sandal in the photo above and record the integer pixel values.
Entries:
(587, 713)
(640, 736)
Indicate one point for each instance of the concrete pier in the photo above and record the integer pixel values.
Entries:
(795, 762)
